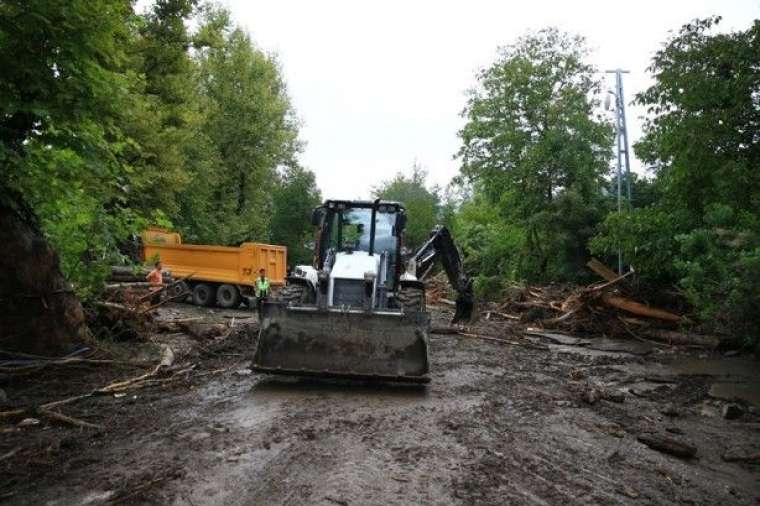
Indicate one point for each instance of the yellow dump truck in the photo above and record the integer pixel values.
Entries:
(222, 275)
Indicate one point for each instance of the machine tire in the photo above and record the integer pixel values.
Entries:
(411, 299)
(228, 296)
(203, 294)
(296, 293)
(178, 289)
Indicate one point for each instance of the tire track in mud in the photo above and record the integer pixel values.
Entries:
(343, 443)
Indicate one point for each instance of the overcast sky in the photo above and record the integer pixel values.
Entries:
(378, 85)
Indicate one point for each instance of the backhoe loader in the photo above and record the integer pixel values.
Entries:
(359, 310)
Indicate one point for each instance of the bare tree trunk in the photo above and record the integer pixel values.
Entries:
(39, 313)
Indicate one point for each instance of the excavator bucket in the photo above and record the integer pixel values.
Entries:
(463, 311)
(465, 303)
(307, 341)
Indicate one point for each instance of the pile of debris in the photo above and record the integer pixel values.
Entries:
(124, 311)
(608, 308)
(437, 288)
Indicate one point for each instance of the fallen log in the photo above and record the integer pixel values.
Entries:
(638, 308)
(112, 305)
(126, 285)
(167, 286)
(666, 444)
(444, 330)
(130, 273)
(601, 269)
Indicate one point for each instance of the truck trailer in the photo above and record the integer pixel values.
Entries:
(221, 275)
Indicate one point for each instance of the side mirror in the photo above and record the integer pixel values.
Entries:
(316, 216)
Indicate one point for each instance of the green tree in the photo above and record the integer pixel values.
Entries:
(111, 121)
(422, 203)
(164, 125)
(64, 88)
(251, 122)
(533, 149)
(295, 195)
(703, 230)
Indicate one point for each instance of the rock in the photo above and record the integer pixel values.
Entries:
(613, 395)
(203, 330)
(732, 411)
(666, 444)
(591, 395)
(594, 393)
(742, 454)
(708, 410)
(628, 491)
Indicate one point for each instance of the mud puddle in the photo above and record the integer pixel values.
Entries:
(735, 377)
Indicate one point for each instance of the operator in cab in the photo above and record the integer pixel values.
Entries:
(261, 285)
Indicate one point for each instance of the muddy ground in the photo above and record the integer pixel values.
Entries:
(498, 424)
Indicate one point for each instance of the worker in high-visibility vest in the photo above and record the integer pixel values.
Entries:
(261, 286)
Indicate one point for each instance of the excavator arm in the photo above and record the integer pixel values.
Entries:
(440, 246)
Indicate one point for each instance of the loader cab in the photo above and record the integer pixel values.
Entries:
(347, 226)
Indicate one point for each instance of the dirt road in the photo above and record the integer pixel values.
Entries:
(498, 424)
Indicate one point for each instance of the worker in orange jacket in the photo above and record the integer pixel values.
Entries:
(156, 280)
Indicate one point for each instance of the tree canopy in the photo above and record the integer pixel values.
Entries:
(535, 154)
(112, 120)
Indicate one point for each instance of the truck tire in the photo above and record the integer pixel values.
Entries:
(296, 293)
(203, 294)
(411, 299)
(178, 289)
(228, 296)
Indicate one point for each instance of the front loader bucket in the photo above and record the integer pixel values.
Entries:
(305, 341)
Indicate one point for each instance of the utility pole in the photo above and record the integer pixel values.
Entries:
(621, 134)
